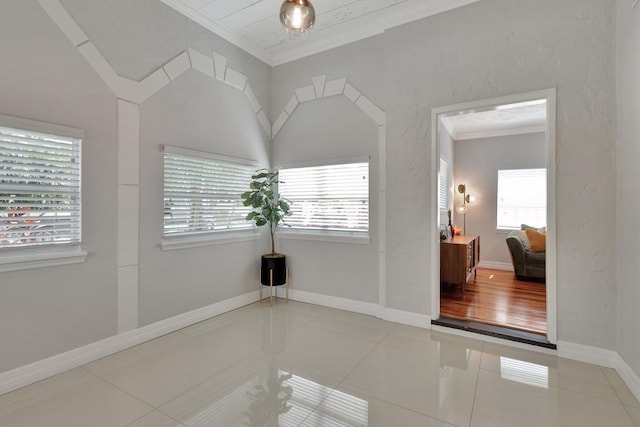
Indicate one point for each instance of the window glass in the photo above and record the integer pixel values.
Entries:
(330, 198)
(202, 192)
(39, 189)
(522, 198)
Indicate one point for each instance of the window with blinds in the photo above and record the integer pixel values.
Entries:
(39, 189)
(443, 185)
(522, 198)
(333, 198)
(202, 192)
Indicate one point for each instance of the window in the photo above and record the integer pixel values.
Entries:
(333, 198)
(39, 187)
(443, 185)
(522, 198)
(202, 192)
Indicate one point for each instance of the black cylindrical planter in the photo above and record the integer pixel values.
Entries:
(276, 263)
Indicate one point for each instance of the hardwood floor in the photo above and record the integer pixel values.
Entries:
(495, 297)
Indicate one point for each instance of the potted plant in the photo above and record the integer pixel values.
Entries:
(268, 209)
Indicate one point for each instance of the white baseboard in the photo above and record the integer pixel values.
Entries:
(29, 374)
(587, 354)
(627, 374)
(496, 265)
(368, 308)
(406, 317)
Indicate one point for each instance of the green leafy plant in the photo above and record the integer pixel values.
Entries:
(268, 207)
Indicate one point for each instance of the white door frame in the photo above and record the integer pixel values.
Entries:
(551, 279)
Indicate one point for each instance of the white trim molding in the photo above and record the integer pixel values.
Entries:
(496, 265)
(214, 66)
(50, 257)
(587, 354)
(29, 374)
(434, 238)
(323, 88)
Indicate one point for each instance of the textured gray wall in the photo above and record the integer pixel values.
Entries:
(197, 113)
(628, 80)
(47, 311)
(332, 128)
(487, 49)
(477, 162)
(500, 47)
(50, 310)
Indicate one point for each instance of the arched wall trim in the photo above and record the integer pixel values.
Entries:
(131, 93)
(135, 92)
(321, 88)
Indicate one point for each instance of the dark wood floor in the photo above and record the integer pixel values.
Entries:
(495, 297)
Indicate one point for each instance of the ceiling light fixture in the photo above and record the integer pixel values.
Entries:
(297, 16)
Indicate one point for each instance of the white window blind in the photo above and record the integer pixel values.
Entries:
(39, 189)
(443, 185)
(202, 192)
(328, 198)
(522, 198)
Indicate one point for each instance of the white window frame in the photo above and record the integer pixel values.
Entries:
(16, 258)
(532, 173)
(173, 241)
(340, 236)
(443, 186)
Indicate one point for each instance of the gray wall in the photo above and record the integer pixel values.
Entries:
(46, 311)
(327, 129)
(198, 113)
(500, 47)
(49, 310)
(487, 49)
(628, 80)
(477, 162)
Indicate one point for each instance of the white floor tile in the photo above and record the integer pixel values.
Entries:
(635, 414)
(254, 392)
(163, 375)
(373, 330)
(624, 394)
(73, 399)
(345, 407)
(502, 402)
(426, 385)
(563, 373)
(323, 352)
(155, 419)
(346, 369)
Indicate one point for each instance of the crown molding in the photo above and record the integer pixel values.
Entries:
(232, 37)
(320, 40)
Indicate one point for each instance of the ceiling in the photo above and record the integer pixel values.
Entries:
(514, 119)
(254, 25)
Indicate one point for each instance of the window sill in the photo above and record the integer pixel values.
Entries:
(325, 237)
(26, 259)
(184, 242)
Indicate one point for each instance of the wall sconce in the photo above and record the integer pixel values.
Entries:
(297, 16)
(462, 207)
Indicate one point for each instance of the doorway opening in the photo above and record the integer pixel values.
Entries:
(493, 243)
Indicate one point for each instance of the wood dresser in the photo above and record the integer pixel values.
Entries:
(459, 258)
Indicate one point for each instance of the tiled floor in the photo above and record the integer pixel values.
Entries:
(303, 365)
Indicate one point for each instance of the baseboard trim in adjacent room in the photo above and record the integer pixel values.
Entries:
(588, 354)
(37, 371)
(496, 265)
(629, 377)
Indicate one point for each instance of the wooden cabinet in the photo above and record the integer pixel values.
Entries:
(459, 258)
